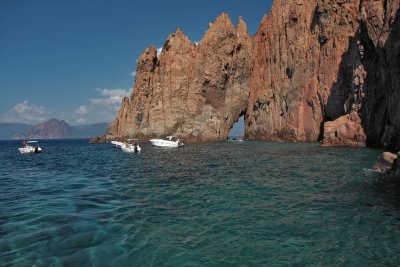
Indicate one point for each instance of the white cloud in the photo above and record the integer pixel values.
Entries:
(81, 121)
(26, 112)
(196, 43)
(25, 107)
(102, 108)
(113, 92)
(111, 99)
(110, 102)
(133, 73)
(82, 110)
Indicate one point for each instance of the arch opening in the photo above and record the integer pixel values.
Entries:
(237, 130)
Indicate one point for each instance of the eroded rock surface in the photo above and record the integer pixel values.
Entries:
(295, 84)
(312, 62)
(344, 131)
(194, 91)
(386, 163)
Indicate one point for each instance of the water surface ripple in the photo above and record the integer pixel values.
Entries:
(205, 204)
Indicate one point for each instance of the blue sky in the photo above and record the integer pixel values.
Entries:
(75, 59)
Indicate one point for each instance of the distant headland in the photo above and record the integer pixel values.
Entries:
(51, 129)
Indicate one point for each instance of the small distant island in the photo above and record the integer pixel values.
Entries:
(51, 129)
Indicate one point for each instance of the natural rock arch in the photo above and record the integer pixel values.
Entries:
(297, 72)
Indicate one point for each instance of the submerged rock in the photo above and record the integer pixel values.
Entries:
(386, 163)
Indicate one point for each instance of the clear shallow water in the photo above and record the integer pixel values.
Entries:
(212, 204)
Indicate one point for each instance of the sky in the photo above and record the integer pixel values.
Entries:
(75, 59)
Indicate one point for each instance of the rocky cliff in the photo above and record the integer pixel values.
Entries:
(311, 63)
(371, 65)
(193, 91)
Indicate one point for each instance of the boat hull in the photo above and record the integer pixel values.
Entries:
(130, 148)
(165, 143)
(26, 150)
(117, 143)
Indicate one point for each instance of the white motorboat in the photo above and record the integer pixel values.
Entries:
(169, 141)
(30, 147)
(131, 147)
(117, 143)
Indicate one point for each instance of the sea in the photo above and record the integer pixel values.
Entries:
(204, 204)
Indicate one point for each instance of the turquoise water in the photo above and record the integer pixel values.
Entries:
(211, 204)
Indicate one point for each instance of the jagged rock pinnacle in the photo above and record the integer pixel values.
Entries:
(307, 62)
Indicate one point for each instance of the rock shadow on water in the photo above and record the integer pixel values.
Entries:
(388, 188)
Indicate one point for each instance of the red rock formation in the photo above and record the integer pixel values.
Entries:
(196, 92)
(294, 83)
(311, 62)
(380, 31)
(374, 74)
(344, 131)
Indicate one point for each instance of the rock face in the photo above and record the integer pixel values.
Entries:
(312, 62)
(193, 91)
(344, 131)
(386, 163)
(295, 85)
(380, 38)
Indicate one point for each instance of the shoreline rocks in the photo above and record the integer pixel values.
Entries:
(387, 163)
(344, 131)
